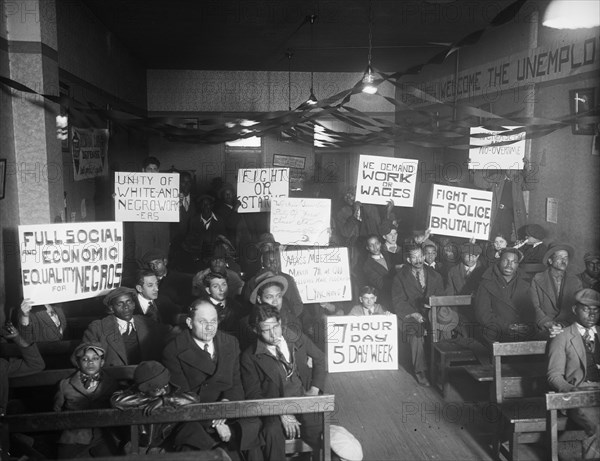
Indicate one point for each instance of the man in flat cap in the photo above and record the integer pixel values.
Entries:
(574, 364)
(464, 278)
(174, 287)
(127, 338)
(502, 304)
(553, 291)
(590, 277)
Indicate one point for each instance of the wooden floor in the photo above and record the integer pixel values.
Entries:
(395, 419)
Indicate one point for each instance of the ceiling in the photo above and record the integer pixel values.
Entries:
(258, 34)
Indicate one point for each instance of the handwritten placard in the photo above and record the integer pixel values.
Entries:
(460, 212)
(381, 179)
(301, 221)
(498, 150)
(147, 197)
(64, 262)
(89, 150)
(321, 273)
(360, 343)
(256, 187)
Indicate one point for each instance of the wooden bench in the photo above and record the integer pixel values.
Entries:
(51, 421)
(519, 388)
(446, 353)
(556, 401)
(53, 377)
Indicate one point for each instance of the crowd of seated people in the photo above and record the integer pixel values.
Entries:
(205, 325)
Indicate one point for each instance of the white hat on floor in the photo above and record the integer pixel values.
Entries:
(344, 444)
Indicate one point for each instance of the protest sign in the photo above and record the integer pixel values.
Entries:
(460, 212)
(496, 150)
(64, 262)
(144, 197)
(89, 150)
(301, 221)
(360, 343)
(321, 273)
(256, 187)
(381, 179)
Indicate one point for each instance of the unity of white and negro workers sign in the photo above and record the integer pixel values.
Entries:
(147, 197)
(69, 261)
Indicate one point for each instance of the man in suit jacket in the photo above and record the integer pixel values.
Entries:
(277, 366)
(127, 339)
(205, 361)
(411, 288)
(379, 270)
(464, 278)
(573, 364)
(42, 323)
(553, 291)
(502, 304)
(147, 293)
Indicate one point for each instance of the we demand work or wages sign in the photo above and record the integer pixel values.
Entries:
(256, 187)
(64, 262)
(321, 273)
(360, 343)
(381, 179)
(146, 197)
(301, 221)
(460, 212)
(498, 150)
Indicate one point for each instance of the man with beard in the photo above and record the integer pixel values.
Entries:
(553, 291)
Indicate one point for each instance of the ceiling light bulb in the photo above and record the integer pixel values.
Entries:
(312, 99)
(572, 14)
(368, 86)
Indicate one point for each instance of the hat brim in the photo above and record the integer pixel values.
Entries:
(562, 247)
(275, 278)
(446, 325)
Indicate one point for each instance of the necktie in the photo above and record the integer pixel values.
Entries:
(152, 311)
(588, 340)
(288, 367)
(54, 316)
(186, 202)
(421, 279)
(129, 329)
(208, 352)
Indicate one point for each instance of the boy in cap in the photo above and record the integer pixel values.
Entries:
(88, 388)
(553, 291)
(574, 364)
(127, 338)
(152, 389)
(590, 277)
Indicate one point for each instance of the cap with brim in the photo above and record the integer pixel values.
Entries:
(151, 375)
(114, 294)
(153, 255)
(262, 281)
(591, 256)
(447, 318)
(535, 231)
(588, 297)
(266, 239)
(344, 444)
(558, 247)
(82, 348)
(514, 251)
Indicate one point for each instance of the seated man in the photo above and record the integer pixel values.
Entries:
(41, 323)
(533, 247)
(174, 288)
(590, 277)
(277, 366)
(553, 291)
(502, 304)
(147, 294)
(463, 279)
(368, 303)
(127, 338)
(217, 263)
(413, 284)
(205, 362)
(574, 364)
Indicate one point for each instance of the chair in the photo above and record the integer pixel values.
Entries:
(445, 354)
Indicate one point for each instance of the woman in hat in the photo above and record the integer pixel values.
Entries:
(88, 388)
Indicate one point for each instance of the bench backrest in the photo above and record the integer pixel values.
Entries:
(51, 421)
(564, 401)
(53, 377)
(438, 301)
(46, 348)
(519, 378)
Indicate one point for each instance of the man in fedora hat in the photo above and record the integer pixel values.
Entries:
(590, 277)
(502, 304)
(574, 364)
(553, 291)
(127, 338)
(463, 279)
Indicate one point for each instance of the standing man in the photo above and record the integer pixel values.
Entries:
(574, 364)
(149, 234)
(378, 270)
(553, 291)
(187, 209)
(205, 362)
(411, 288)
(502, 304)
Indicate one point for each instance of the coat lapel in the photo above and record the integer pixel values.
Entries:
(196, 358)
(114, 339)
(577, 343)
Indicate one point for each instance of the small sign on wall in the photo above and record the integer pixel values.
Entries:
(552, 210)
